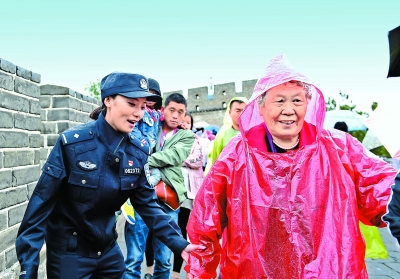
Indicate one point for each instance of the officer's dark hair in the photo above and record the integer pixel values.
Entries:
(102, 109)
(191, 120)
(175, 97)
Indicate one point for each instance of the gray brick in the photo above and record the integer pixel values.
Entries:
(6, 119)
(1, 160)
(64, 125)
(27, 87)
(34, 140)
(8, 237)
(75, 104)
(36, 77)
(16, 214)
(7, 66)
(45, 101)
(44, 153)
(11, 257)
(43, 140)
(43, 115)
(13, 102)
(3, 220)
(11, 139)
(61, 102)
(30, 188)
(34, 107)
(49, 89)
(24, 73)
(48, 127)
(12, 196)
(81, 117)
(52, 140)
(25, 175)
(6, 81)
(15, 158)
(2, 263)
(36, 161)
(59, 114)
(5, 178)
(87, 107)
(79, 95)
(27, 122)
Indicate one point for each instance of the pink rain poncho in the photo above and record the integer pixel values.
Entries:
(288, 215)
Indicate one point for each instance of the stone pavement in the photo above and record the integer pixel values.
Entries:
(389, 268)
(377, 269)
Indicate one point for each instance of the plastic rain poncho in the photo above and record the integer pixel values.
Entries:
(288, 215)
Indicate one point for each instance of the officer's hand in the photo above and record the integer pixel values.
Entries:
(190, 248)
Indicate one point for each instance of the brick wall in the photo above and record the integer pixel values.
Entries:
(31, 117)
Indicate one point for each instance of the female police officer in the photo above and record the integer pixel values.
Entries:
(90, 173)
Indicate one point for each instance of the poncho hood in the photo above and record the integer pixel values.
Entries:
(279, 71)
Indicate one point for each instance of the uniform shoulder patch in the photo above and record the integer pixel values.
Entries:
(78, 134)
(141, 144)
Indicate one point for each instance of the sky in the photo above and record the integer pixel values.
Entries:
(339, 45)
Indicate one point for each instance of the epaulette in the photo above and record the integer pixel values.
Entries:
(75, 135)
(141, 144)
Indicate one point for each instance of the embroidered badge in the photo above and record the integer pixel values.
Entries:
(143, 83)
(87, 165)
(130, 163)
(147, 173)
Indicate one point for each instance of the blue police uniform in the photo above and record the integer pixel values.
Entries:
(91, 171)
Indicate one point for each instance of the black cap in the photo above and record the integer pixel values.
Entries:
(128, 85)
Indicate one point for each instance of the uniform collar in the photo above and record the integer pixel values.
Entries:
(107, 135)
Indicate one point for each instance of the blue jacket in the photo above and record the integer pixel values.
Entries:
(392, 217)
(91, 171)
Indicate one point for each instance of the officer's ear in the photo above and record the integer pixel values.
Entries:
(107, 101)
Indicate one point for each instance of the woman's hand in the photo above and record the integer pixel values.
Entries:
(190, 248)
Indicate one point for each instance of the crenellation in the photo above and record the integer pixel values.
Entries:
(24, 73)
(36, 77)
(211, 108)
(7, 66)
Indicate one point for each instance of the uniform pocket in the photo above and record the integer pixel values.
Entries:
(82, 186)
(89, 180)
(129, 182)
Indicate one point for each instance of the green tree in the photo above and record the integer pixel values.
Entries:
(94, 89)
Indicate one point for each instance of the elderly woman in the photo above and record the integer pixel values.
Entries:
(286, 195)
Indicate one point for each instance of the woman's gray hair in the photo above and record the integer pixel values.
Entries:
(307, 87)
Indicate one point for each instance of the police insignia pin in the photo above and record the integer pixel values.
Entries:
(143, 83)
(130, 163)
(76, 136)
